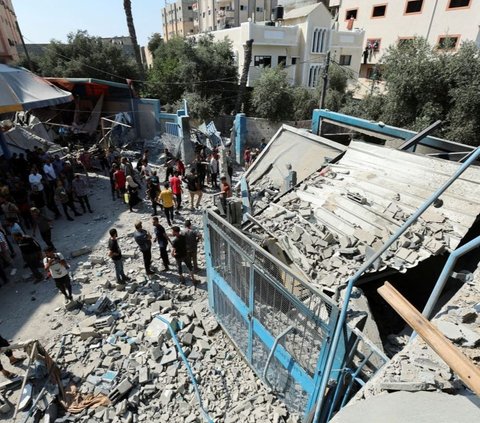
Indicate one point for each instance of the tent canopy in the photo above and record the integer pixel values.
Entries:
(21, 89)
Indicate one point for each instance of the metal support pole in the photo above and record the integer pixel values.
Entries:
(272, 352)
(443, 278)
(348, 292)
(325, 81)
(421, 135)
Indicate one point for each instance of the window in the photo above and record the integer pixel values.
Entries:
(404, 42)
(414, 6)
(242, 7)
(282, 61)
(379, 11)
(373, 44)
(314, 75)
(458, 4)
(448, 42)
(345, 60)
(320, 40)
(294, 60)
(351, 13)
(259, 9)
(209, 12)
(203, 14)
(190, 8)
(262, 61)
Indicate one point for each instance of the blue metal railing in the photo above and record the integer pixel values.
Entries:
(351, 283)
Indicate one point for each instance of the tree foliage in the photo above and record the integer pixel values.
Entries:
(273, 96)
(86, 56)
(201, 67)
(424, 84)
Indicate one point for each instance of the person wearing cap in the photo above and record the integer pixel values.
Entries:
(44, 226)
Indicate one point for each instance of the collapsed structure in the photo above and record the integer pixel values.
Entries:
(314, 212)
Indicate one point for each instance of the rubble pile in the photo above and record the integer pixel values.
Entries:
(312, 227)
(120, 348)
(417, 367)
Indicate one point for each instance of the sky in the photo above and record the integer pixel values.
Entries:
(43, 20)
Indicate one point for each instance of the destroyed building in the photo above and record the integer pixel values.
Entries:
(314, 212)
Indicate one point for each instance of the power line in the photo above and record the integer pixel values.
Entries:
(146, 82)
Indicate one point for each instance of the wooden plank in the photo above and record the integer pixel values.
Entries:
(458, 362)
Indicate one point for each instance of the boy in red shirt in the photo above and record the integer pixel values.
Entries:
(176, 186)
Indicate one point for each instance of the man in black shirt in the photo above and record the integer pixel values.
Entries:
(194, 188)
(116, 256)
(162, 238)
(31, 253)
(144, 241)
(179, 252)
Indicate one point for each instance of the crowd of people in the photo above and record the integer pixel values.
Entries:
(37, 187)
(34, 187)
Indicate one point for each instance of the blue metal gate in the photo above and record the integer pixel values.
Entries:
(280, 324)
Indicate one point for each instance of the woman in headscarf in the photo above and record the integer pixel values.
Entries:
(132, 190)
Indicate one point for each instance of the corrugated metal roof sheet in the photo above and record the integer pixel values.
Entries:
(332, 220)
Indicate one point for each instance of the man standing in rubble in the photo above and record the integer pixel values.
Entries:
(57, 267)
(115, 254)
(179, 252)
(144, 241)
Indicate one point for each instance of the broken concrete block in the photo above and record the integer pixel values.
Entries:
(96, 259)
(143, 375)
(187, 339)
(169, 357)
(104, 322)
(91, 298)
(157, 330)
(81, 251)
(450, 330)
(88, 332)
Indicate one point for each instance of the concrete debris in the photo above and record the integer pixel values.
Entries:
(416, 367)
(121, 349)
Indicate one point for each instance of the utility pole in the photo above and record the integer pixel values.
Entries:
(24, 47)
(325, 81)
(374, 79)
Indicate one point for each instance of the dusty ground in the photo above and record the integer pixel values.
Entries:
(36, 311)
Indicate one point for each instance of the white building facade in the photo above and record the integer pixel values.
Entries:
(444, 23)
(299, 43)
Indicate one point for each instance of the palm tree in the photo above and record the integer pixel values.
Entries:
(244, 78)
(127, 5)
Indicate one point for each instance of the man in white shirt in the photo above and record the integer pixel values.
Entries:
(35, 180)
(49, 171)
(57, 267)
(214, 170)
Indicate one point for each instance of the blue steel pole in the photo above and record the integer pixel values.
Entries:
(442, 279)
(367, 264)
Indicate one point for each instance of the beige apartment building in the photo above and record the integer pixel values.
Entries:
(9, 34)
(299, 43)
(186, 17)
(444, 23)
(178, 19)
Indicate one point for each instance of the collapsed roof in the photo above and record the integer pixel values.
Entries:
(342, 212)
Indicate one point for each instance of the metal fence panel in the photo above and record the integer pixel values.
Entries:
(257, 299)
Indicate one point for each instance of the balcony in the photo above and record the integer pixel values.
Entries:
(224, 2)
(229, 14)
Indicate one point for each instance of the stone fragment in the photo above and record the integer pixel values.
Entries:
(81, 251)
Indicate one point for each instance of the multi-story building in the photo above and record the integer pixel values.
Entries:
(178, 19)
(9, 34)
(444, 23)
(299, 43)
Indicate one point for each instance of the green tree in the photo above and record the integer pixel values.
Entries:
(86, 56)
(273, 96)
(154, 42)
(425, 84)
(202, 67)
